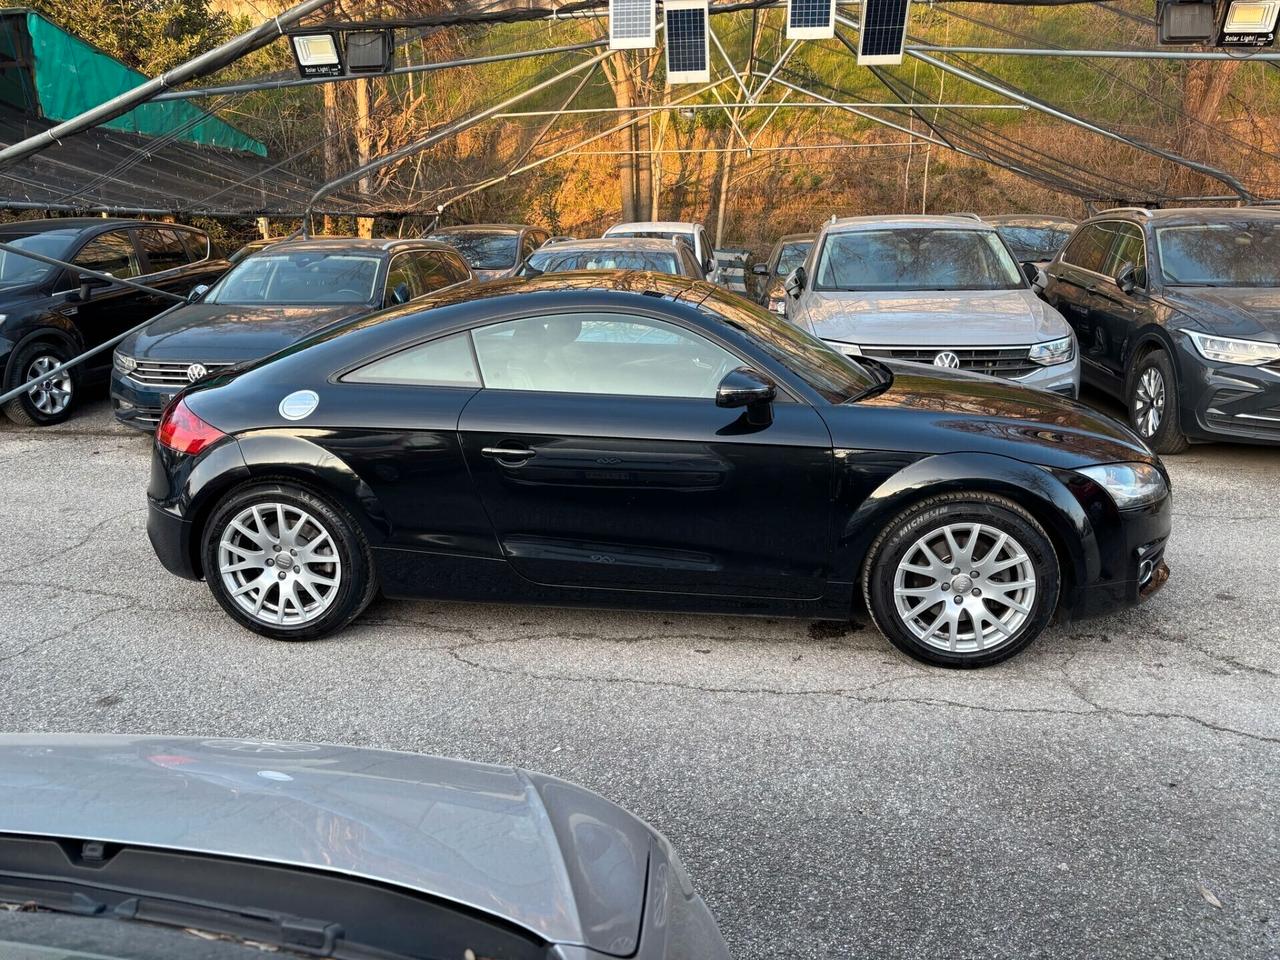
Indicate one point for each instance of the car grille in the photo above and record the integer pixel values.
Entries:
(172, 375)
(1255, 422)
(995, 361)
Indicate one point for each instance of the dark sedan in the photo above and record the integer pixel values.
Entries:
(788, 253)
(1177, 313)
(185, 848)
(49, 314)
(268, 301)
(635, 440)
(1033, 239)
(494, 250)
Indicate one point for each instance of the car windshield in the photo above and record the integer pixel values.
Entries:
(1035, 243)
(557, 261)
(302, 278)
(792, 256)
(917, 258)
(834, 376)
(1239, 254)
(16, 269)
(484, 251)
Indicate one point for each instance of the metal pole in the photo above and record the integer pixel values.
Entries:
(199, 66)
(792, 105)
(448, 131)
(1095, 54)
(773, 71)
(862, 113)
(32, 255)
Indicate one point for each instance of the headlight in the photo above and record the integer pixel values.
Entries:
(1053, 351)
(123, 362)
(1129, 484)
(1231, 350)
(848, 349)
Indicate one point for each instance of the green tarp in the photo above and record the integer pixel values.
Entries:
(71, 77)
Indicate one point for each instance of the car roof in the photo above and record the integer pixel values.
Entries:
(1190, 215)
(360, 244)
(654, 244)
(492, 838)
(82, 223)
(904, 221)
(1029, 220)
(795, 238)
(667, 226)
(486, 228)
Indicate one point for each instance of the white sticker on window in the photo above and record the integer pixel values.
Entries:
(299, 404)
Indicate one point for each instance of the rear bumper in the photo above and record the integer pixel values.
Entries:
(170, 537)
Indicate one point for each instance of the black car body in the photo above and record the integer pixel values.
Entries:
(494, 250)
(1177, 313)
(789, 252)
(1033, 239)
(771, 490)
(219, 328)
(47, 316)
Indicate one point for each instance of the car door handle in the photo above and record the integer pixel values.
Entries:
(508, 453)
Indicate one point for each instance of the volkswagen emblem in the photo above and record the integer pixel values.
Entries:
(947, 359)
(197, 370)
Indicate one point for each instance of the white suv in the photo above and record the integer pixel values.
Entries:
(695, 234)
(939, 290)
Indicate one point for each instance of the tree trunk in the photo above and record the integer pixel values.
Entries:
(618, 72)
(331, 159)
(1205, 86)
(364, 225)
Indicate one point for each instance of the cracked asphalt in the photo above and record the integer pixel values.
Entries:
(1109, 793)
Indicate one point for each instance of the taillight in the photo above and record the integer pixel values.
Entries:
(183, 431)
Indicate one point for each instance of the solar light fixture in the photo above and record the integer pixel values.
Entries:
(688, 53)
(1179, 22)
(1249, 23)
(369, 51)
(884, 30)
(317, 54)
(811, 19)
(632, 24)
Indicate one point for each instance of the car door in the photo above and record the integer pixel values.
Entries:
(602, 460)
(167, 264)
(1117, 313)
(115, 308)
(1075, 278)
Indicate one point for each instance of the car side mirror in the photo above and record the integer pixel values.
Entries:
(401, 293)
(794, 284)
(743, 387)
(760, 269)
(1130, 278)
(90, 284)
(197, 293)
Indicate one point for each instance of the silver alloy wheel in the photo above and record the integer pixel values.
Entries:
(52, 396)
(279, 564)
(965, 588)
(1148, 402)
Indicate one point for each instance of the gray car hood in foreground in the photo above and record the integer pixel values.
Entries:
(549, 856)
(931, 318)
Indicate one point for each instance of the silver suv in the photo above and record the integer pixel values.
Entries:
(939, 290)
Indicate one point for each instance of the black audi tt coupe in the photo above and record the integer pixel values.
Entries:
(636, 440)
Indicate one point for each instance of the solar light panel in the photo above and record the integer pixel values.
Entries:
(811, 19)
(632, 24)
(884, 29)
(688, 55)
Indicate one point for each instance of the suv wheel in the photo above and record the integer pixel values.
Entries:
(49, 402)
(286, 564)
(1153, 403)
(962, 580)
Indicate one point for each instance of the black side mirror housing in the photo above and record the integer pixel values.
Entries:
(90, 284)
(401, 293)
(1130, 278)
(197, 293)
(795, 283)
(743, 387)
(760, 269)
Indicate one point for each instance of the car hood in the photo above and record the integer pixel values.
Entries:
(931, 411)
(932, 318)
(554, 858)
(1252, 312)
(226, 333)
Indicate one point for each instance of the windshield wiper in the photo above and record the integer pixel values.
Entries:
(881, 371)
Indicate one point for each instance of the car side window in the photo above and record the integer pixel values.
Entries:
(528, 245)
(434, 271)
(403, 276)
(447, 362)
(1088, 248)
(111, 253)
(164, 248)
(1128, 248)
(600, 353)
(197, 244)
(452, 266)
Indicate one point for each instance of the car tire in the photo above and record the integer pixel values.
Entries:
(50, 403)
(332, 577)
(1002, 544)
(1152, 399)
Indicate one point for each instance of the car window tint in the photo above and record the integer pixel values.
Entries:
(111, 253)
(601, 354)
(1127, 249)
(1089, 248)
(447, 362)
(197, 244)
(165, 249)
(453, 267)
(404, 274)
(437, 270)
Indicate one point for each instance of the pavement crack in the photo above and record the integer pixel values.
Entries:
(58, 635)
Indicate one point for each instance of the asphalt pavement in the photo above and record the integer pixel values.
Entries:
(1109, 793)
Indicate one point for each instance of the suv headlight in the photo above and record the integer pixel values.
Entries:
(1129, 484)
(123, 362)
(1053, 351)
(1234, 350)
(848, 349)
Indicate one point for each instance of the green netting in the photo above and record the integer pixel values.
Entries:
(72, 77)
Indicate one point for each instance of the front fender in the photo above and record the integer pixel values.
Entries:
(1036, 489)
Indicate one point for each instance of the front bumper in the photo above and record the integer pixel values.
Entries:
(1060, 378)
(136, 405)
(1229, 400)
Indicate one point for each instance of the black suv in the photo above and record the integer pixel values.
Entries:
(49, 314)
(1178, 314)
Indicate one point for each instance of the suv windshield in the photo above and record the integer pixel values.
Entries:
(484, 251)
(302, 278)
(916, 258)
(556, 261)
(1035, 243)
(16, 269)
(1239, 254)
(834, 376)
